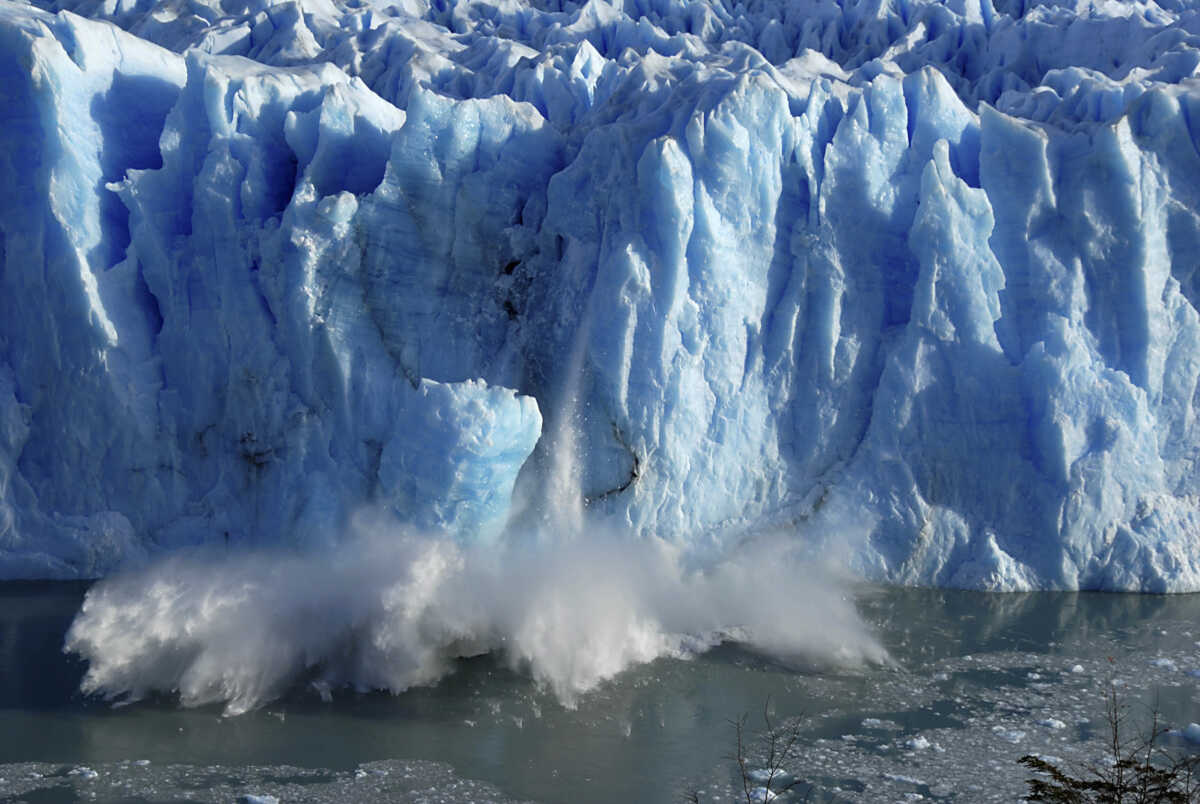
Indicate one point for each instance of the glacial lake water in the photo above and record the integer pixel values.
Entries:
(978, 681)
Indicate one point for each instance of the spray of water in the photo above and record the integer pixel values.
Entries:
(393, 609)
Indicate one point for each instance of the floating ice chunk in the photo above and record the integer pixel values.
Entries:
(878, 723)
(1007, 734)
(903, 779)
(763, 775)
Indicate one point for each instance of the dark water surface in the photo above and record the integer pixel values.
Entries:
(978, 681)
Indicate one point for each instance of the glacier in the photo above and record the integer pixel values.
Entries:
(911, 282)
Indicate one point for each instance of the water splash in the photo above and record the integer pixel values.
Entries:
(393, 609)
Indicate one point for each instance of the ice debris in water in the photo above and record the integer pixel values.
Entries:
(912, 280)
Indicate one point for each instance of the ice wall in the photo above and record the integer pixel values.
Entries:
(915, 281)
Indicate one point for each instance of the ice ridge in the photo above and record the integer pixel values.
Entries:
(915, 281)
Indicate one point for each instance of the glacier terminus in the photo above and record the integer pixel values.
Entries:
(913, 282)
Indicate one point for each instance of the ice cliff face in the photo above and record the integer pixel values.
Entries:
(914, 280)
